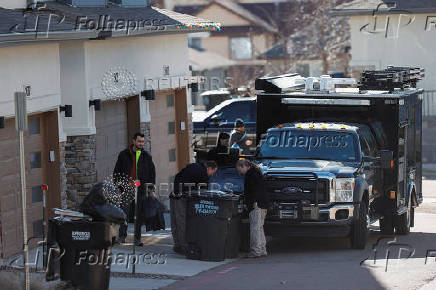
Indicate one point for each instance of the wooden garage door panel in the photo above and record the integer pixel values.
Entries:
(111, 125)
(161, 141)
(10, 211)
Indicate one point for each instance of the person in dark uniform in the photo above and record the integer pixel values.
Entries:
(222, 147)
(190, 178)
(134, 163)
(257, 203)
(240, 138)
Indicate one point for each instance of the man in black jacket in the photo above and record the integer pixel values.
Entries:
(193, 177)
(135, 163)
(256, 200)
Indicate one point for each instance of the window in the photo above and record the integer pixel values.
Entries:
(303, 70)
(35, 160)
(34, 126)
(194, 42)
(237, 110)
(172, 155)
(170, 100)
(171, 128)
(364, 146)
(241, 48)
(366, 134)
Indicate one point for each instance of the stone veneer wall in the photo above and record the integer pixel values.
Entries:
(145, 129)
(80, 164)
(63, 174)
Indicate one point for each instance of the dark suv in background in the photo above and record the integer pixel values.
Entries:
(207, 125)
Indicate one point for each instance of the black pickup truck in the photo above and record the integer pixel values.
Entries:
(336, 161)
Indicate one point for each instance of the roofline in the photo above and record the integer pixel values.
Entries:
(91, 34)
(362, 12)
(268, 28)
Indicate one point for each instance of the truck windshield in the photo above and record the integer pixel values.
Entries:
(308, 144)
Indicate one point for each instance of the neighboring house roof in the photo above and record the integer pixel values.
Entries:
(65, 20)
(244, 13)
(278, 51)
(195, 8)
(206, 60)
(370, 7)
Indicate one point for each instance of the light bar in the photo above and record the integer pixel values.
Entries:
(340, 102)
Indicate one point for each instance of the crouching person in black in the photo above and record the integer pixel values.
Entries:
(190, 178)
(257, 203)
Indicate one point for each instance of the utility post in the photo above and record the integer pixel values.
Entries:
(21, 126)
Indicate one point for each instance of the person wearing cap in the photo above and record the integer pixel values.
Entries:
(239, 137)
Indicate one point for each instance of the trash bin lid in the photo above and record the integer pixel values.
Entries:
(213, 194)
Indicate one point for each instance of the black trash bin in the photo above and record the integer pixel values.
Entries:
(212, 226)
(85, 249)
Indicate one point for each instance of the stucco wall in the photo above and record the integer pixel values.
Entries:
(36, 65)
(400, 44)
(88, 62)
(217, 44)
(12, 4)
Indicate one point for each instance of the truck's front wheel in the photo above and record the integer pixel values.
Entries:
(359, 231)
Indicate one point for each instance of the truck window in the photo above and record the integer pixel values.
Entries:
(372, 147)
(236, 110)
(364, 146)
(302, 144)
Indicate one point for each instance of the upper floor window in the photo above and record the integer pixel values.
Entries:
(241, 48)
(195, 42)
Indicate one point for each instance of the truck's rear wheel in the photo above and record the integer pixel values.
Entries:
(402, 225)
(359, 231)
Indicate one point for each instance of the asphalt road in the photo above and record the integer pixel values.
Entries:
(331, 264)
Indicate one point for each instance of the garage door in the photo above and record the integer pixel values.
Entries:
(111, 125)
(163, 136)
(40, 169)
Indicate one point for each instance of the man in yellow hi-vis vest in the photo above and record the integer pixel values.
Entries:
(136, 164)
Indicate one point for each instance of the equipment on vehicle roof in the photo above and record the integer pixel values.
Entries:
(390, 78)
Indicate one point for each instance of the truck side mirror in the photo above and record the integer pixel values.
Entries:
(386, 159)
(215, 119)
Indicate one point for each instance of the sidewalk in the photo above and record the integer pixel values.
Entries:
(157, 265)
(429, 170)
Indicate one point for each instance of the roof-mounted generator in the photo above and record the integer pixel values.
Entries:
(340, 154)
